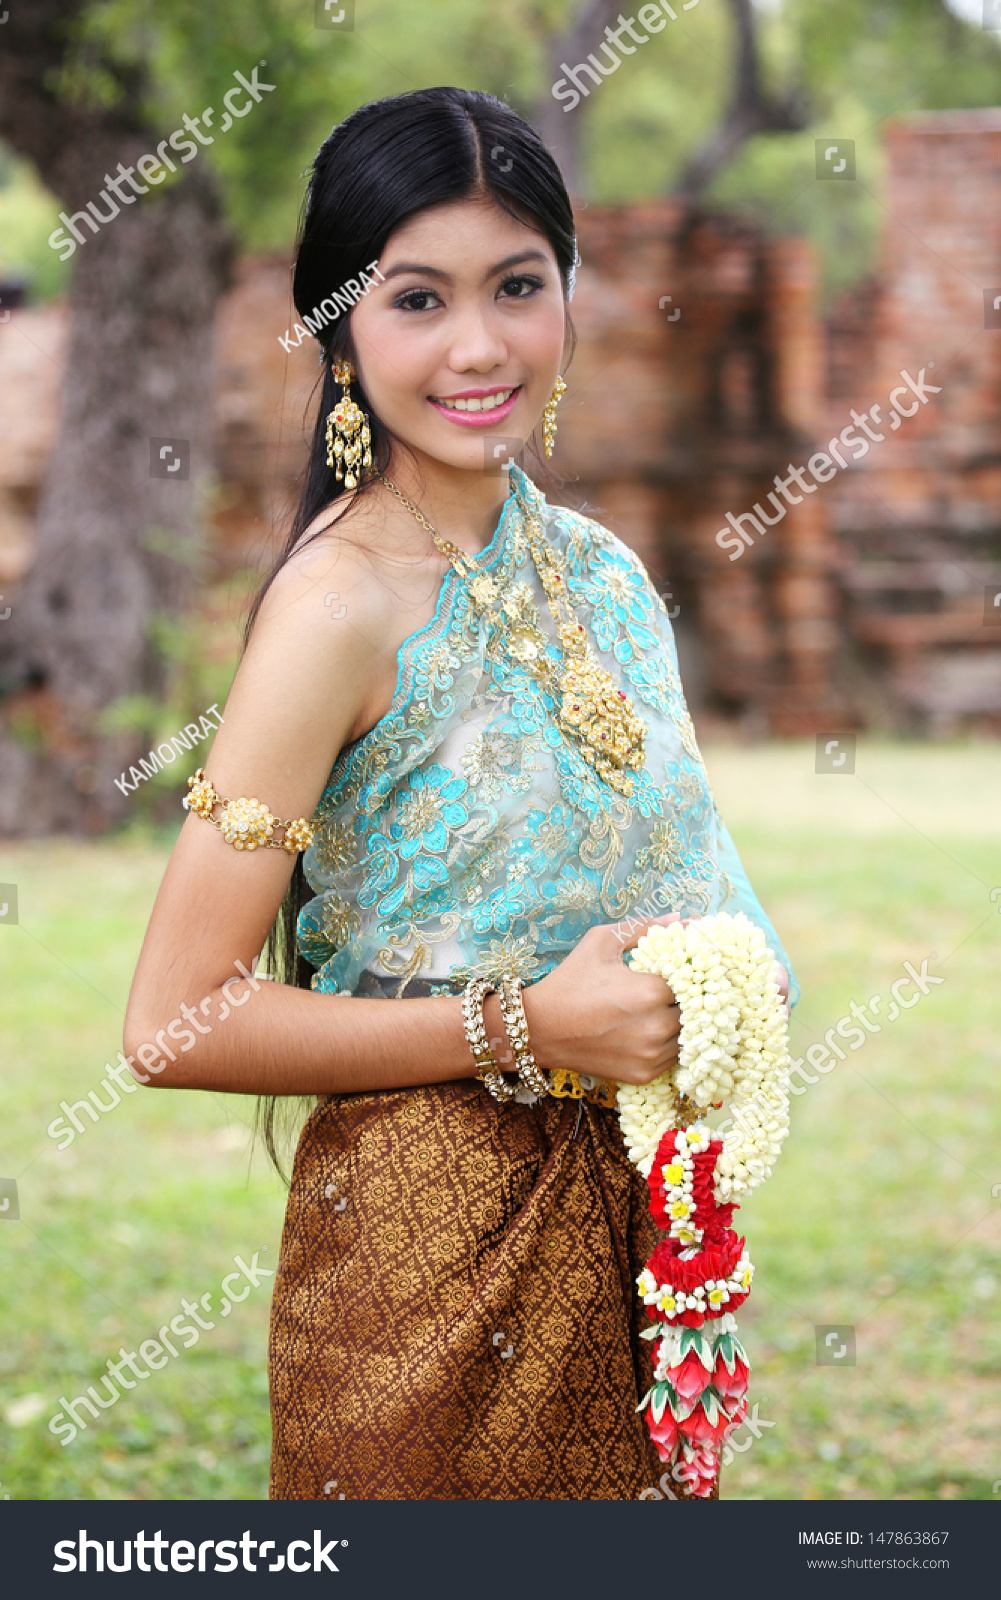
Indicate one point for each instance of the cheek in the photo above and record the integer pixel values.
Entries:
(540, 338)
(398, 364)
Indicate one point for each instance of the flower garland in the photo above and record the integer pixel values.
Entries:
(733, 1045)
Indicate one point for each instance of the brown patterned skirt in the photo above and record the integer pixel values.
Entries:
(455, 1314)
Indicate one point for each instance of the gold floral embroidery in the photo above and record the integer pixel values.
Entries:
(510, 954)
(340, 920)
(665, 849)
(335, 848)
(494, 761)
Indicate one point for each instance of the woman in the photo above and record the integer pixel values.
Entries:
(475, 698)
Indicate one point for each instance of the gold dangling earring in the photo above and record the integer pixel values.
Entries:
(352, 448)
(549, 416)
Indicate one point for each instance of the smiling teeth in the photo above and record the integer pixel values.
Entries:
(489, 402)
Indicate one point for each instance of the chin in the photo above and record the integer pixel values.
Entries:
(468, 455)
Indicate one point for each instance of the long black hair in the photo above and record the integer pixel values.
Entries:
(384, 163)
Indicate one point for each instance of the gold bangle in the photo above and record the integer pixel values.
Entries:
(473, 996)
(245, 824)
(516, 1023)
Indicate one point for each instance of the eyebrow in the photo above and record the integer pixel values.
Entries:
(421, 269)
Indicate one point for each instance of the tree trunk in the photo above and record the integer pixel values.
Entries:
(113, 544)
(559, 128)
(751, 109)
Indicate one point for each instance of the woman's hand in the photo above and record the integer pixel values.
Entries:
(594, 1014)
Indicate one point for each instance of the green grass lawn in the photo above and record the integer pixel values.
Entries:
(880, 1214)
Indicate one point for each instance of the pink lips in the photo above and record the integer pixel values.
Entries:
(478, 419)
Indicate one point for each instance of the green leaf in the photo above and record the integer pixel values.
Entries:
(697, 1339)
(658, 1404)
(688, 1335)
(711, 1405)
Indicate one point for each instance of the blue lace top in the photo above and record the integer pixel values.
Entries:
(465, 835)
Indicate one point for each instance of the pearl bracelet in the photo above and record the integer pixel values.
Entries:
(473, 996)
(516, 1023)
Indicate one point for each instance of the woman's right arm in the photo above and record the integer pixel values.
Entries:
(308, 683)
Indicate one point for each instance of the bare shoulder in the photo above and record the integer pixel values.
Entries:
(316, 651)
(321, 663)
(330, 577)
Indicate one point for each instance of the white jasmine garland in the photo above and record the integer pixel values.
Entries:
(646, 1111)
(733, 1045)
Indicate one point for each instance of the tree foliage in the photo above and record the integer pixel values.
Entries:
(858, 62)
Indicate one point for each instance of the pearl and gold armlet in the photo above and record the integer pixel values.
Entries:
(245, 824)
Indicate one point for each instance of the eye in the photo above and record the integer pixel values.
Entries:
(521, 287)
(416, 300)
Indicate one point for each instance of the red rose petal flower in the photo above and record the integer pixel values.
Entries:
(697, 1428)
(730, 1385)
(698, 1470)
(663, 1433)
(689, 1377)
(712, 1261)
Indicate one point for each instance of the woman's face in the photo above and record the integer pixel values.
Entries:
(459, 347)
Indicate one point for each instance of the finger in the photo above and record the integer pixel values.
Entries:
(629, 933)
(672, 1030)
(655, 994)
(668, 1045)
(667, 1060)
(611, 939)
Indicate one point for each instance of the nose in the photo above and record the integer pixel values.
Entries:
(476, 345)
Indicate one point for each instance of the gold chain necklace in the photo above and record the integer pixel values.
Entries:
(590, 706)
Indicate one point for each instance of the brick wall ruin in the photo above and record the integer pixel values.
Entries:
(703, 371)
(918, 521)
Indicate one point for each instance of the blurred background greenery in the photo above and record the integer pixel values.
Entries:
(857, 63)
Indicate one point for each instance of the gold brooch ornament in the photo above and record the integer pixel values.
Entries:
(590, 708)
(567, 1085)
(351, 449)
(201, 796)
(246, 824)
